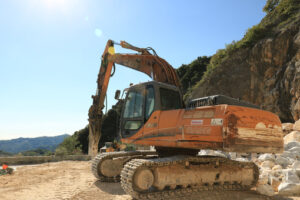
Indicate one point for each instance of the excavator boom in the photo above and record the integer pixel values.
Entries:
(151, 64)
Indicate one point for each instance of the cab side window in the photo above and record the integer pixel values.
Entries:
(169, 99)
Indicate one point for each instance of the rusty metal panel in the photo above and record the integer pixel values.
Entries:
(252, 130)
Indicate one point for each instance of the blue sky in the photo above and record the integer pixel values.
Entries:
(50, 51)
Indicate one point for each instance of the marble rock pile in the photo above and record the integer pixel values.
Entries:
(281, 172)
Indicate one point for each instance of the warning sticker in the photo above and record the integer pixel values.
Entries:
(197, 122)
(216, 122)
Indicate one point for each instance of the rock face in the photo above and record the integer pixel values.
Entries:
(268, 74)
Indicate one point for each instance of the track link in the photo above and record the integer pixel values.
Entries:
(112, 155)
(131, 167)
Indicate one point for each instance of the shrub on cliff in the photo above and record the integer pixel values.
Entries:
(279, 14)
(190, 74)
(270, 5)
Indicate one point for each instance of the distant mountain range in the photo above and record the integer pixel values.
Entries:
(24, 144)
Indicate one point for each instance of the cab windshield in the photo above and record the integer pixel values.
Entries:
(134, 105)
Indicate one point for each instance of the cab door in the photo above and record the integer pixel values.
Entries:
(151, 116)
(132, 118)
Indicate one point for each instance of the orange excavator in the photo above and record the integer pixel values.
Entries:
(154, 114)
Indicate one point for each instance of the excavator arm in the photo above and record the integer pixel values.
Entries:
(151, 64)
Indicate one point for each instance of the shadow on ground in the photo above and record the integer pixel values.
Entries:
(111, 188)
(228, 195)
(277, 197)
(235, 195)
(116, 189)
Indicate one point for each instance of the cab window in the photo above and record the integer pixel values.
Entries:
(169, 99)
(134, 105)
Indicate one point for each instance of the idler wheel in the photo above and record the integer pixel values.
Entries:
(110, 168)
(143, 179)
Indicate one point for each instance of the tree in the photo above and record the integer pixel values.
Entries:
(83, 139)
(80, 139)
(95, 124)
(70, 145)
(190, 74)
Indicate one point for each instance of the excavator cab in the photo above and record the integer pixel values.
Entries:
(142, 100)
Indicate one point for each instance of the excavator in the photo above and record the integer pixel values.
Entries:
(154, 114)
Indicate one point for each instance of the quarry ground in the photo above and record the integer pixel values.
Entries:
(74, 180)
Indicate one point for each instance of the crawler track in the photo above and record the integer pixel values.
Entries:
(113, 155)
(131, 167)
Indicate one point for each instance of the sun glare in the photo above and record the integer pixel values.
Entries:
(65, 7)
(52, 4)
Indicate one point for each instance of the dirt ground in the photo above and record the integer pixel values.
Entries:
(73, 180)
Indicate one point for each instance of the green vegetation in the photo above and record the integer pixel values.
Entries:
(6, 171)
(18, 145)
(69, 146)
(65, 144)
(110, 124)
(270, 5)
(190, 74)
(279, 14)
(83, 139)
(36, 152)
(4, 154)
(78, 143)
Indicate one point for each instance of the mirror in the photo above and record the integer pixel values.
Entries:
(117, 94)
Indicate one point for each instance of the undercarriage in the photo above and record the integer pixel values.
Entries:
(107, 167)
(145, 175)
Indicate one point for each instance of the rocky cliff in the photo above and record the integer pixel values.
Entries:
(265, 72)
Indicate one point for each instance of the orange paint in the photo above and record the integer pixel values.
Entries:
(223, 127)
